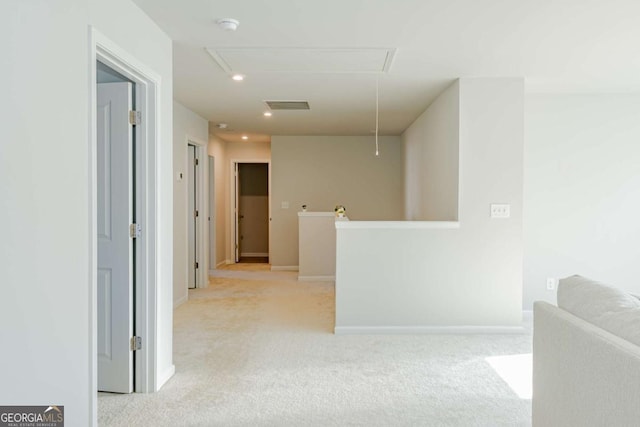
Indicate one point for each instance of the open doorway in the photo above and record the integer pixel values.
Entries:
(212, 213)
(252, 212)
(122, 171)
(197, 212)
(193, 216)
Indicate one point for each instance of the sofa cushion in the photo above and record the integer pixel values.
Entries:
(604, 306)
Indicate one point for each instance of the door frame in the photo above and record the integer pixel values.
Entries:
(211, 214)
(147, 88)
(233, 214)
(192, 206)
(202, 191)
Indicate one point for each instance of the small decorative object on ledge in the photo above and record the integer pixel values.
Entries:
(304, 208)
(340, 210)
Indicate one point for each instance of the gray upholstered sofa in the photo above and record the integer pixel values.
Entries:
(586, 357)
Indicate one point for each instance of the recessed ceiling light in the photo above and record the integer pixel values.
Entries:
(238, 77)
(268, 114)
(245, 137)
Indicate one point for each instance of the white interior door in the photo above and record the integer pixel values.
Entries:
(115, 246)
(192, 211)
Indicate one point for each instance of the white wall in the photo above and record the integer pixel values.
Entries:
(217, 149)
(224, 153)
(404, 276)
(45, 219)
(323, 171)
(127, 26)
(582, 191)
(431, 160)
(317, 245)
(187, 126)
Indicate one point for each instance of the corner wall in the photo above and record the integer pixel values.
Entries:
(412, 276)
(582, 191)
(217, 150)
(125, 24)
(323, 171)
(431, 160)
(187, 125)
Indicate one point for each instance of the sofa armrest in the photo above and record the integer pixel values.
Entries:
(582, 375)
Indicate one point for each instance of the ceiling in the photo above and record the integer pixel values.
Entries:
(327, 52)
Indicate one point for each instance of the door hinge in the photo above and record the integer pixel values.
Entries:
(135, 117)
(196, 265)
(136, 343)
(196, 213)
(197, 162)
(135, 231)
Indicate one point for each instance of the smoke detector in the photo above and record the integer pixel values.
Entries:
(228, 24)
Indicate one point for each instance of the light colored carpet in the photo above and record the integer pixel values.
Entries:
(260, 352)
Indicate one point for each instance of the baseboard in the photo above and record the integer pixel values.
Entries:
(180, 301)
(255, 254)
(221, 263)
(316, 278)
(400, 330)
(284, 268)
(165, 376)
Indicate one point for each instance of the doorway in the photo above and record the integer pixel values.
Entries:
(197, 211)
(252, 218)
(134, 169)
(193, 215)
(212, 213)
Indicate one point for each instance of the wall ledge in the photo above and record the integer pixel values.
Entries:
(398, 225)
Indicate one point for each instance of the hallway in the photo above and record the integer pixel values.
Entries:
(257, 348)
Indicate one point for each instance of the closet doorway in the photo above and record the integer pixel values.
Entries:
(252, 212)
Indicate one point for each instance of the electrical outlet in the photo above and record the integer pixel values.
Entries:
(551, 284)
(284, 205)
(500, 211)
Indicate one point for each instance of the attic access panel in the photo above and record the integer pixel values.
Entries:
(303, 60)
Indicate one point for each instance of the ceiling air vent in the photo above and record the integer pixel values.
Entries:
(288, 105)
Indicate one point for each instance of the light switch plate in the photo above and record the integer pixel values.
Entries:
(284, 205)
(500, 211)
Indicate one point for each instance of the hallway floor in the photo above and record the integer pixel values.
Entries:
(256, 348)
